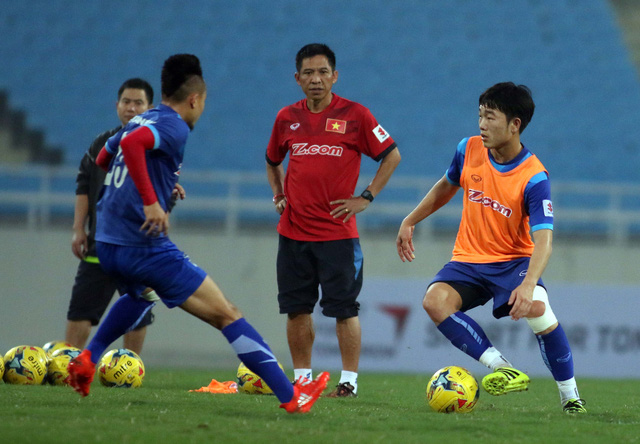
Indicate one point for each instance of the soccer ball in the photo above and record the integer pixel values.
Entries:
(249, 382)
(121, 367)
(58, 362)
(1, 368)
(25, 365)
(452, 389)
(53, 346)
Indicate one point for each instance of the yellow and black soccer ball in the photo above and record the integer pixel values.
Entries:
(121, 368)
(452, 389)
(250, 383)
(57, 372)
(25, 365)
(53, 346)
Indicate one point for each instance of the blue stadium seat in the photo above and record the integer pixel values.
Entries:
(419, 66)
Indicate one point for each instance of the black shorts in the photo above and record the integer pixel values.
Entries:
(92, 292)
(471, 296)
(334, 266)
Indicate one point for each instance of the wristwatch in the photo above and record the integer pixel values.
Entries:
(367, 195)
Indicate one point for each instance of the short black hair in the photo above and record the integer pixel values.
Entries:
(137, 83)
(511, 99)
(312, 50)
(181, 76)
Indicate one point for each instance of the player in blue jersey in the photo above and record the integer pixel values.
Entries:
(144, 161)
(93, 288)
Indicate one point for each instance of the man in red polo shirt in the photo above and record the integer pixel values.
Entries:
(325, 136)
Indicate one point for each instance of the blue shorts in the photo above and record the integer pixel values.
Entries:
(91, 294)
(164, 268)
(479, 283)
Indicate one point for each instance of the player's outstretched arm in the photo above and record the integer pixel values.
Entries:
(441, 193)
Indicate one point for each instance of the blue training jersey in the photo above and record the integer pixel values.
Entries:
(120, 209)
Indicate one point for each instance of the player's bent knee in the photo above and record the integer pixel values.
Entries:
(437, 303)
(219, 319)
(209, 304)
(548, 319)
(429, 303)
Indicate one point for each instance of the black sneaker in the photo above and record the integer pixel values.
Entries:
(343, 390)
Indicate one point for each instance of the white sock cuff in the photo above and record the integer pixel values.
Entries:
(350, 377)
(568, 390)
(302, 373)
(493, 359)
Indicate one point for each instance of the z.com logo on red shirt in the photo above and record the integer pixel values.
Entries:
(301, 149)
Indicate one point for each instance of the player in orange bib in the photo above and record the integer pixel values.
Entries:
(507, 197)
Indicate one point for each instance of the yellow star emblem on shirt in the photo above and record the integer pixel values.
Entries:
(336, 126)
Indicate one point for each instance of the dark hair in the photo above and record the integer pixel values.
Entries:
(312, 50)
(511, 99)
(137, 83)
(181, 76)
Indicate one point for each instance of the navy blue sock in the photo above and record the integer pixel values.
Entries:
(257, 356)
(465, 334)
(123, 316)
(556, 353)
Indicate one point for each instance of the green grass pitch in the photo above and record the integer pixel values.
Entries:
(391, 408)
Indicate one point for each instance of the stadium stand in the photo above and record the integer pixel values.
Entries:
(419, 66)
(20, 144)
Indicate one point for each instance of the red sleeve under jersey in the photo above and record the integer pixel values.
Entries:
(134, 146)
(104, 159)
